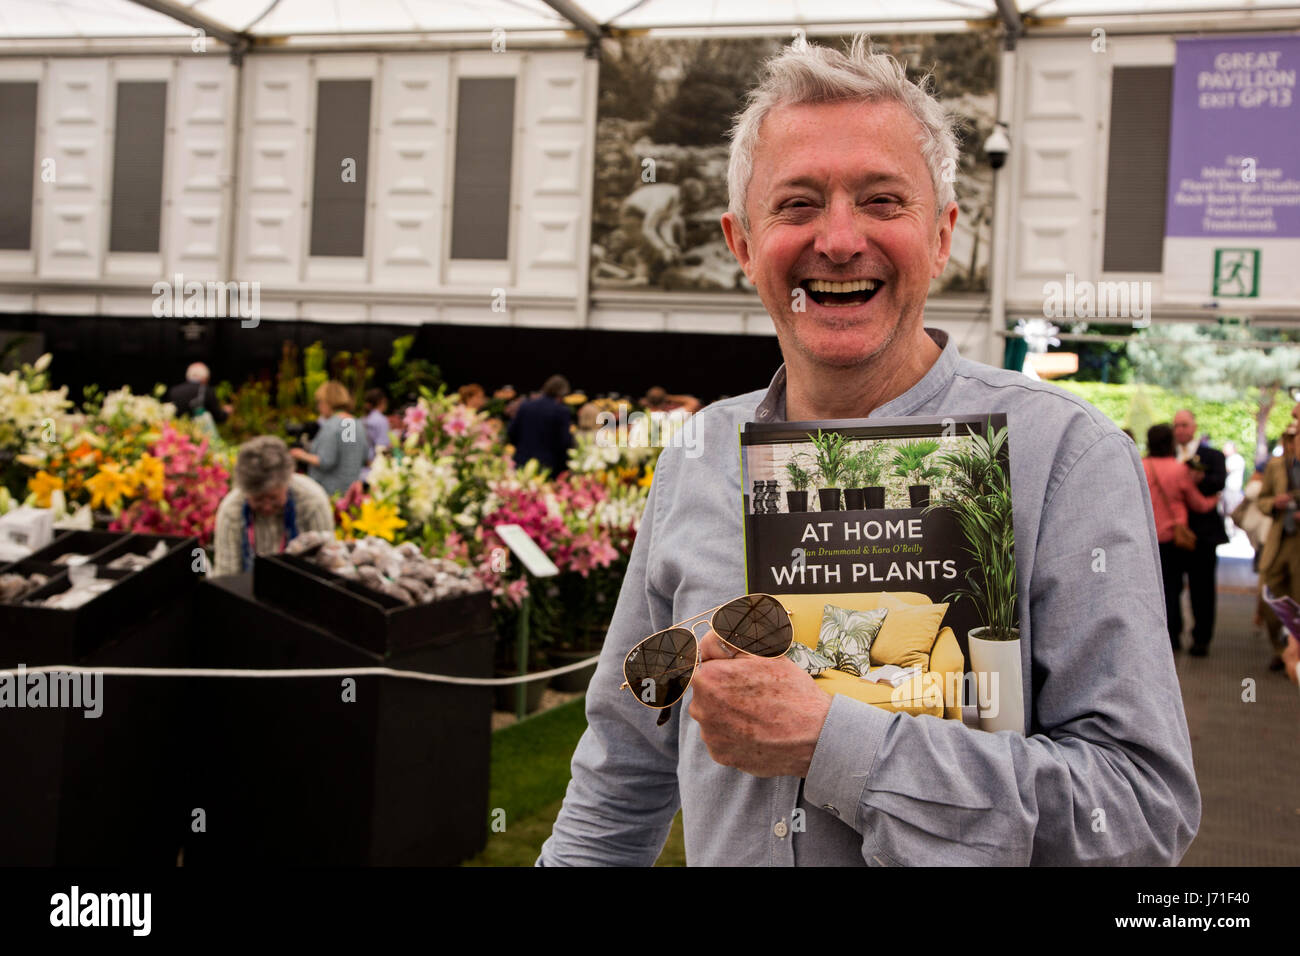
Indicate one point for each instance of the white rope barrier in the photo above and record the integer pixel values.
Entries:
(300, 673)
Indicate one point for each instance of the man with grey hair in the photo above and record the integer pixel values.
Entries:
(840, 216)
(195, 395)
(268, 506)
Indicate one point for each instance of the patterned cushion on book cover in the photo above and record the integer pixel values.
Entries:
(807, 658)
(846, 637)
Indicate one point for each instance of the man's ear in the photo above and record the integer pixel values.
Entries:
(947, 222)
(737, 241)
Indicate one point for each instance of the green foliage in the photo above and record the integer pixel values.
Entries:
(866, 466)
(252, 414)
(980, 498)
(909, 461)
(830, 456)
(314, 374)
(411, 377)
(800, 478)
(354, 371)
(288, 392)
(1223, 363)
(1137, 407)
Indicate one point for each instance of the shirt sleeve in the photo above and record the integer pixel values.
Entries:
(227, 538)
(1105, 775)
(326, 445)
(623, 793)
(1195, 500)
(315, 513)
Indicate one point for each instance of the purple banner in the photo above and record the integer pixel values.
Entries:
(1234, 139)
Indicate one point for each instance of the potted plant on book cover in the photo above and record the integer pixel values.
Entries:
(981, 501)
(796, 497)
(910, 465)
(830, 455)
(867, 492)
(853, 498)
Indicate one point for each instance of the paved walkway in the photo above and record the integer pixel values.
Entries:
(1247, 754)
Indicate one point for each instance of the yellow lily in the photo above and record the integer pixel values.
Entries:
(148, 472)
(378, 520)
(43, 485)
(108, 486)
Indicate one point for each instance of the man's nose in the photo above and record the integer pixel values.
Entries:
(841, 234)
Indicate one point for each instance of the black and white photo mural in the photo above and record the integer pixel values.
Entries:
(666, 107)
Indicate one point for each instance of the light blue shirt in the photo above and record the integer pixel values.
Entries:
(1105, 774)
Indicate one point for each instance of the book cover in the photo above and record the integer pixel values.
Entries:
(897, 512)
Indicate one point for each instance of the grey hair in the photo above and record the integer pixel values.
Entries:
(264, 463)
(819, 74)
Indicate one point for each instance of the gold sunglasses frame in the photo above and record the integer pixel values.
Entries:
(694, 667)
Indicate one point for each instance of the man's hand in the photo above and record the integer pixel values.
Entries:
(758, 715)
(1281, 502)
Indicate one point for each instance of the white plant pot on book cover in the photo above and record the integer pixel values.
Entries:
(1003, 659)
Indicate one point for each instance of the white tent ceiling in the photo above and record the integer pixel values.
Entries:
(258, 19)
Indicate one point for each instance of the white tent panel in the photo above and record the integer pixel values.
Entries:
(660, 14)
(290, 17)
(1053, 9)
(84, 18)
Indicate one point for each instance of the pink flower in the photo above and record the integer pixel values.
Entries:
(414, 419)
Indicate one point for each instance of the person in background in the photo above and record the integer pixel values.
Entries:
(1201, 565)
(472, 395)
(542, 428)
(378, 428)
(268, 505)
(1173, 495)
(195, 396)
(376, 420)
(340, 449)
(1279, 559)
(1234, 489)
(657, 399)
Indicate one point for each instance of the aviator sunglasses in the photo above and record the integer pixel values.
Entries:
(659, 669)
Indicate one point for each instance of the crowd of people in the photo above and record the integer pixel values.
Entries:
(1188, 480)
(280, 491)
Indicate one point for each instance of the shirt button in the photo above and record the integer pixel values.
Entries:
(830, 809)
(780, 829)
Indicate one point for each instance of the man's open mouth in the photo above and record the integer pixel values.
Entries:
(854, 292)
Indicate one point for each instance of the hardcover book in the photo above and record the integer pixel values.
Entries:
(909, 517)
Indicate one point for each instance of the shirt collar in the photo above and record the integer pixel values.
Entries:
(772, 406)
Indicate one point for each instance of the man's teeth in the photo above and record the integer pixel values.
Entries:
(861, 285)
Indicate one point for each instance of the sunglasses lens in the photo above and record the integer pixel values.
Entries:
(659, 669)
(756, 624)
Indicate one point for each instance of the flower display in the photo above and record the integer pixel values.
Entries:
(178, 486)
(447, 485)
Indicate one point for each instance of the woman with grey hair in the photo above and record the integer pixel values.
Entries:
(268, 506)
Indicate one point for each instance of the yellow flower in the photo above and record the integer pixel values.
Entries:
(108, 486)
(43, 485)
(647, 478)
(148, 472)
(344, 530)
(378, 520)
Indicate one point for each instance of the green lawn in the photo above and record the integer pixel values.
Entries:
(530, 771)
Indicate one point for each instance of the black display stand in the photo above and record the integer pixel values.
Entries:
(286, 771)
(83, 791)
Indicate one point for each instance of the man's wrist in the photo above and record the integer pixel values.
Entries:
(844, 756)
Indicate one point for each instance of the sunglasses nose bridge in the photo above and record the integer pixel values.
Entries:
(707, 626)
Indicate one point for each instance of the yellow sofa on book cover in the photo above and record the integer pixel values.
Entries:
(935, 691)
